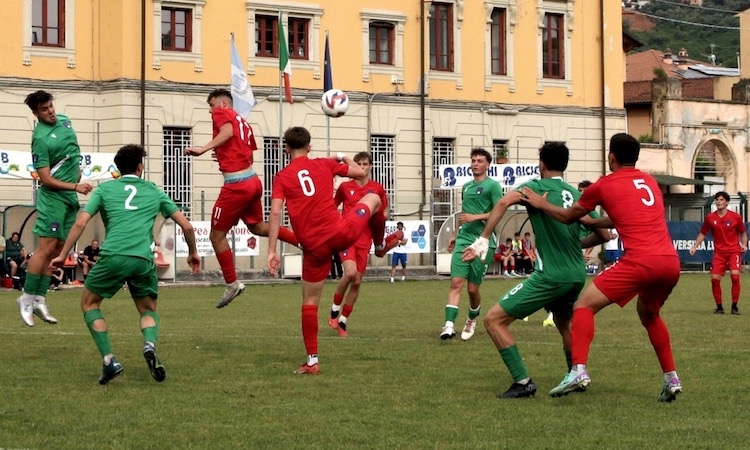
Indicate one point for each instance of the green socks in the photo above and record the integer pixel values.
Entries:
(150, 333)
(474, 313)
(101, 338)
(514, 363)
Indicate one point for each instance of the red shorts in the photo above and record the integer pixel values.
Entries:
(723, 261)
(316, 261)
(238, 201)
(651, 279)
(358, 252)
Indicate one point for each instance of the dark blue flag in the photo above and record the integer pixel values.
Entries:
(327, 77)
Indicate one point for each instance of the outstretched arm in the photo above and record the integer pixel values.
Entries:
(700, 239)
(225, 133)
(497, 213)
(75, 233)
(565, 215)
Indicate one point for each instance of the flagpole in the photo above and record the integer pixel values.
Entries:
(281, 104)
(328, 118)
(327, 79)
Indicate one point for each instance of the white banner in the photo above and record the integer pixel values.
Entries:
(508, 175)
(245, 242)
(94, 166)
(416, 231)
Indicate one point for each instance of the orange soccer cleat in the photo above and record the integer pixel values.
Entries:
(308, 370)
(390, 241)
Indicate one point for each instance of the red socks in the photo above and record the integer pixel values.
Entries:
(226, 261)
(286, 235)
(337, 298)
(581, 334)
(659, 337)
(716, 289)
(735, 288)
(347, 310)
(310, 328)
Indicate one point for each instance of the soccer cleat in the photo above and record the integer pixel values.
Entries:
(670, 390)
(719, 310)
(517, 390)
(403, 278)
(40, 309)
(391, 279)
(341, 329)
(232, 291)
(548, 323)
(390, 241)
(110, 371)
(571, 383)
(514, 274)
(333, 323)
(308, 370)
(447, 333)
(27, 311)
(469, 328)
(735, 311)
(154, 365)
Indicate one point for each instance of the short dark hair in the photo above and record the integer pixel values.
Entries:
(555, 156)
(37, 98)
(363, 155)
(722, 194)
(517, 233)
(479, 151)
(15, 233)
(297, 138)
(584, 184)
(219, 93)
(399, 224)
(625, 147)
(128, 158)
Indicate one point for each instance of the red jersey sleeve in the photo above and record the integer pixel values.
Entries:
(706, 227)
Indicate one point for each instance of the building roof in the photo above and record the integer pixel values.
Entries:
(671, 180)
(637, 91)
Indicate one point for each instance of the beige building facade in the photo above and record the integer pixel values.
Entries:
(507, 75)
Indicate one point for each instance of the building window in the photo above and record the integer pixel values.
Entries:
(383, 152)
(441, 36)
(381, 43)
(497, 42)
(274, 159)
(178, 167)
(48, 23)
(176, 29)
(553, 46)
(267, 36)
(500, 151)
(298, 29)
(443, 152)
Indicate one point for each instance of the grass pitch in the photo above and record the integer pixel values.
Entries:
(391, 384)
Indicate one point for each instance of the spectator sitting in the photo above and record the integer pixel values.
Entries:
(15, 254)
(508, 259)
(529, 254)
(89, 257)
(56, 278)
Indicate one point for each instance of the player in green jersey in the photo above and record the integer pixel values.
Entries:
(559, 274)
(479, 196)
(56, 158)
(128, 206)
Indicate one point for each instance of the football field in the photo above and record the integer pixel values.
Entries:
(391, 384)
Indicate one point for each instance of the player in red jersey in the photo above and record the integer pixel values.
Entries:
(354, 258)
(649, 268)
(240, 197)
(306, 185)
(730, 242)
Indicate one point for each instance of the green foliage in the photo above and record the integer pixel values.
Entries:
(696, 40)
(646, 139)
(659, 72)
(391, 384)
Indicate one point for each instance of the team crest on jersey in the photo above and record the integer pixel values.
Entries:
(351, 192)
(54, 226)
(361, 212)
(728, 223)
(67, 124)
(35, 158)
(480, 190)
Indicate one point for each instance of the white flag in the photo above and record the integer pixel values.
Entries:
(242, 94)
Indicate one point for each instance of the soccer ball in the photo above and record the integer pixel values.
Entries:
(334, 103)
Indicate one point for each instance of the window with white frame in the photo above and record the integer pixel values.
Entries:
(177, 32)
(443, 152)
(383, 152)
(302, 27)
(500, 22)
(499, 150)
(555, 29)
(178, 167)
(445, 19)
(274, 159)
(383, 44)
(50, 30)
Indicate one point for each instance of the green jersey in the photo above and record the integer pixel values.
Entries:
(56, 146)
(477, 198)
(558, 244)
(129, 206)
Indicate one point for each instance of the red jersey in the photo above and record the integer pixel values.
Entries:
(634, 203)
(726, 231)
(306, 185)
(237, 153)
(350, 193)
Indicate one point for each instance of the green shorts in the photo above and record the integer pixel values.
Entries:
(56, 214)
(473, 270)
(533, 294)
(111, 272)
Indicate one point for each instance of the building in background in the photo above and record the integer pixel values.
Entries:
(502, 74)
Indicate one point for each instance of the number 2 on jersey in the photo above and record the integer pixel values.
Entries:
(133, 190)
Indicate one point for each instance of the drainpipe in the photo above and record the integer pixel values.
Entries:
(143, 73)
(604, 96)
(422, 127)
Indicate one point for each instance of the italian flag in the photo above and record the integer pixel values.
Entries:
(284, 64)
